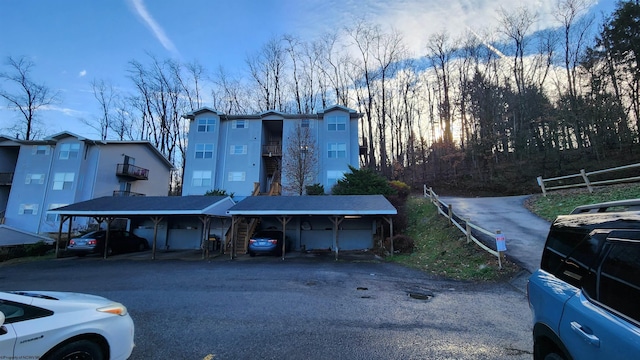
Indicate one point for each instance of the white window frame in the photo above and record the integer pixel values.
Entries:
(63, 181)
(240, 124)
(237, 176)
(201, 178)
(337, 150)
(34, 179)
(238, 149)
(69, 151)
(206, 125)
(41, 150)
(54, 217)
(28, 209)
(204, 150)
(336, 123)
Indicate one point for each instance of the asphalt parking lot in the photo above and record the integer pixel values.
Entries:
(306, 307)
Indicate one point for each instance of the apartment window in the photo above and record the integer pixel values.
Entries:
(201, 178)
(206, 125)
(333, 176)
(34, 179)
(337, 123)
(240, 124)
(337, 150)
(237, 176)
(40, 150)
(63, 181)
(204, 151)
(54, 217)
(28, 209)
(304, 123)
(69, 151)
(238, 149)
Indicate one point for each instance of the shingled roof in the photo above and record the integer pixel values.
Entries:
(148, 205)
(332, 205)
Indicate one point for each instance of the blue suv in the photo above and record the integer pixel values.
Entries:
(585, 298)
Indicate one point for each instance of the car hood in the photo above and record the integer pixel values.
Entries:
(49, 298)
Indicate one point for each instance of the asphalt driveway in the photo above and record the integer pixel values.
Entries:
(525, 232)
(300, 308)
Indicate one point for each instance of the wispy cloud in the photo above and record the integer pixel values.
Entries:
(82, 73)
(418, 20)
(156, 29)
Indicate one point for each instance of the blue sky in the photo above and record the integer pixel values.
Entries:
(73, 42)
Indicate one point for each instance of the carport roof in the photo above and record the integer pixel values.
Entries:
(332, 205)
(149, 206)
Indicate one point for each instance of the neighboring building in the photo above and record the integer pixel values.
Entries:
(243, 154)
(39, 175)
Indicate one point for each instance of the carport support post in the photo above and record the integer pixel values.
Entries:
(69, 232)
(106, 237)
(336, 220)
(156, 221)
(390, 221)
(234, 233)
(284, 220)
(62, 220)
(204, 243)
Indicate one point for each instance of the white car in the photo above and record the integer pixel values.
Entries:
(63, 325)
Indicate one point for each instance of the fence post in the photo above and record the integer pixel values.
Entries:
(501, 246)
(450, 212)
(424, 190)
(586, 180)
(468, 229)
(541, 184)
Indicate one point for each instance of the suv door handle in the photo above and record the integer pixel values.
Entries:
(589, 338)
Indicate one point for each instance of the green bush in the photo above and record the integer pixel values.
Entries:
(315, 189)
(218, 192)
(362, 182)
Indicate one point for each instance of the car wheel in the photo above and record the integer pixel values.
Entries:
(141, 246)
(82, 349)
(553, 356)
(252, 254)
(109, 251)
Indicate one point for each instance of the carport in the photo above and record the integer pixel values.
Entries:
(337, 209)
(152, 208)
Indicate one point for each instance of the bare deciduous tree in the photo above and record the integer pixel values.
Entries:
(300, 162)
(106, 96)
(26, 96)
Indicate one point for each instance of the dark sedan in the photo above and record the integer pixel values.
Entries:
(120, 241)
(268, 242)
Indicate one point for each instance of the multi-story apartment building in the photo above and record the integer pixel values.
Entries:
(36, 176)
(244, 154)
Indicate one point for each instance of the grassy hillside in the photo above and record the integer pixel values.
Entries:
(563, 202)
(442, 250)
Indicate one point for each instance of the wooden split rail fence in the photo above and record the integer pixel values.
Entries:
(465, 225)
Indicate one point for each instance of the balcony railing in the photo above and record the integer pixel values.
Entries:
(126, 193)
(6, 178)
(272, 150)
(132, 171)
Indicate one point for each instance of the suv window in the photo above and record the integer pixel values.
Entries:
(569, 254)
(619, 279)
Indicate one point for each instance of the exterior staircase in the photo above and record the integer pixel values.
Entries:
(272, 157)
